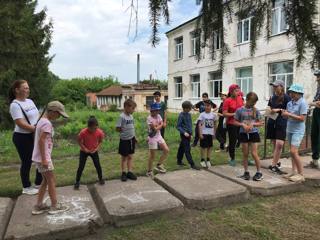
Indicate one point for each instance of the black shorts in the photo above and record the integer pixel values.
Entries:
(127, 147)
(206, 142)
(276, 132)
(249, 137)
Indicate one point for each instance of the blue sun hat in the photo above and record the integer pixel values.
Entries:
(155, 106)
(296, 87)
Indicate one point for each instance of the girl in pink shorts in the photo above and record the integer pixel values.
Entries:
(155, 139)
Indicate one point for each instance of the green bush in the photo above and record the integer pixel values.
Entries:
(113, 108)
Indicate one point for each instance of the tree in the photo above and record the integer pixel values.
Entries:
(300, 15)
(74, 90)
(24, 44)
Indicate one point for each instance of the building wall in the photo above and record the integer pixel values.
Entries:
(278, 49)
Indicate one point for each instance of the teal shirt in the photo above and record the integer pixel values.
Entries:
(299, 107)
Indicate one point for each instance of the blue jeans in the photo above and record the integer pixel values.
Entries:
(184, 149)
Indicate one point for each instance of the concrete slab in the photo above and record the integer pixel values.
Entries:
(272, 184)
(82, 218)
(133, 202)
(311, 175)
(201, 189)
(6, 205)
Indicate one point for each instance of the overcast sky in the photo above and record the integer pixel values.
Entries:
(90, 38)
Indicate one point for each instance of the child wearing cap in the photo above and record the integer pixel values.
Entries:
(155, 124)
(296, 112)
(207, 127)
(184, 127)
(42, 158)
(125, 126)
(162, 111)
(276, 128)
(90, 140)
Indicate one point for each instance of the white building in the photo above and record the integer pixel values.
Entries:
(275, 59)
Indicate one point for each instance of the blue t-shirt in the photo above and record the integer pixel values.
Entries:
(299, 107)
(247, 115)
(280, 121)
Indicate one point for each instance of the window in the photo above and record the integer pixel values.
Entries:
(244, 79)
(244, 30)
(279, 23)
(215, 84)
(195, 43)
(179, 48)
(195, 86)
(178, 87)
(149, 101)
(281, 71)
(217, 40)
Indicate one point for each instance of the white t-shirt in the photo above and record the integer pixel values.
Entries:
(207, 119)
(29, 108)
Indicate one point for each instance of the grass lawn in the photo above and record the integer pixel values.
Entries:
(292, 216)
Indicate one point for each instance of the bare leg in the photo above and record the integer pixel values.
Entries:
(296, 159)
(129, 163)
(277, 151)
(209, 153)
(245, 153)
(42, 190)
(152, 153)
(49, 176)
(255, 156)
(165, 151)
(123, 163)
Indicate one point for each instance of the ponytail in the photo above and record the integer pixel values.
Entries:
(12, 90)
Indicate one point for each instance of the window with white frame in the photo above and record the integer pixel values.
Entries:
(281, 71)
(279, 22)
(178, 87)
(179, 48)
(244, 30)
(195, 43)
(217, 39)
(244, 79)
(215, 84)
(195, 85)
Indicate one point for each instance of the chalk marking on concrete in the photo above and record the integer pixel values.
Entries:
(77, 213)
(134, 197)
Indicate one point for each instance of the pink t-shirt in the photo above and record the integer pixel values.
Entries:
(43, 126)
(155, 121)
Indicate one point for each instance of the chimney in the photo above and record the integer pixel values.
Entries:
(138, 68)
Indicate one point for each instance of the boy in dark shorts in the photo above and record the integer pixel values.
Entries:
(199, 106)
(207, 129)
(125, 125)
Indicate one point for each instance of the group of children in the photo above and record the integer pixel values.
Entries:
(247, 117)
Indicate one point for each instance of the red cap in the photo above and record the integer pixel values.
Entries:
(232, 87)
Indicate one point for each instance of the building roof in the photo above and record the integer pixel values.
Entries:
(115, 90)
(173, 29)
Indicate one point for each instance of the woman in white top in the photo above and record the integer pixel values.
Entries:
(25, 115)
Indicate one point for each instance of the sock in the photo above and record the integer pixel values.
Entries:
(202, 159)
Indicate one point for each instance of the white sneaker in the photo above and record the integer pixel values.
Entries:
(36, 186)
(30, 191)
(287, 176)
(297, 178)
(203, 164)
(59, 208)
(208, 164)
